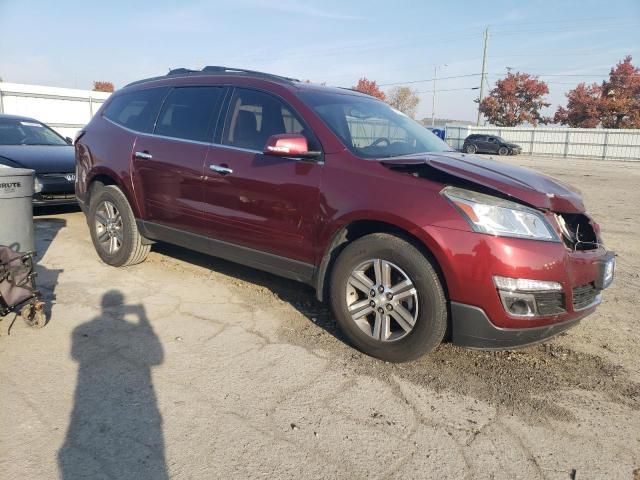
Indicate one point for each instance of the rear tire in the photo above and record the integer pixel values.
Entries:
(389, 322)
(471, 149)
(503, 151)
(113, 228)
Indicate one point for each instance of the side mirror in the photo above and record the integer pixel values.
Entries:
(69, 140)
(289, 145)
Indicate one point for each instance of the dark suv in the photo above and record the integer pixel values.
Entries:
(477, 143)
(408, 240)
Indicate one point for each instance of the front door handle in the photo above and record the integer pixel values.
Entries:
(143, 155)
(220, 169)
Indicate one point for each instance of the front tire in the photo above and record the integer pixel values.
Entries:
(503, 151)
(388, 299)
(113, 228)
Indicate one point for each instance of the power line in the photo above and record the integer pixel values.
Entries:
(429, 80)
(448, 90)
(558, 74)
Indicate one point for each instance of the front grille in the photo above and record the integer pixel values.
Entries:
(584, 295)
(550, 303)
(57, 196)
(69, 176)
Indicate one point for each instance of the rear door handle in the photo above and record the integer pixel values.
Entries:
(220, 169)
(143, 155)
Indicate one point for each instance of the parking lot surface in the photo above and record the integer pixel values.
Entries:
(187, 366)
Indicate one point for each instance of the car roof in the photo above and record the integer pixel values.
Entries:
(223, 74)
(6, 116)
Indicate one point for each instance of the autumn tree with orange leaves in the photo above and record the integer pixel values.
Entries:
(621, 97)
(99, 86)
(583, 107)
(370, 87)
(516, 99)
(613, 104)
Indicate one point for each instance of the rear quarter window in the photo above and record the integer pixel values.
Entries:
(136, 110)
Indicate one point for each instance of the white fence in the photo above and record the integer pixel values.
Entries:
(66, 110)
(605, 144)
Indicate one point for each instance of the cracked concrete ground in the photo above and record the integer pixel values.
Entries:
(191, 367)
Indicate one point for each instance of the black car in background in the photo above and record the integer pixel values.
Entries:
(479, 143)
(28, 143)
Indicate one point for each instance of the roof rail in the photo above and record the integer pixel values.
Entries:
(218, 70)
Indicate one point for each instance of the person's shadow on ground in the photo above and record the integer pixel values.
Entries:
(116, 427)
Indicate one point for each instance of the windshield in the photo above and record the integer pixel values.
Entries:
(27, 132)
(371, 128)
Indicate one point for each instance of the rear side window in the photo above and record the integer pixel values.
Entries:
(136, 110)
(254, 116)
(189, 113)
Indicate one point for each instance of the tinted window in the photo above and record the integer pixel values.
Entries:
(255, 116)
(189, 113)
(136, 110)
(371, 128)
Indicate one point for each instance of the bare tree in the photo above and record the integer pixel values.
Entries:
(404, 99)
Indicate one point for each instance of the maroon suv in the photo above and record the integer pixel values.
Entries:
(408, 239)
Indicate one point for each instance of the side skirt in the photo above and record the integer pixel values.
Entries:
(284, 267)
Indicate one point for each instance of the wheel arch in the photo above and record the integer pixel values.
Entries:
(358, 229)
(108, 177)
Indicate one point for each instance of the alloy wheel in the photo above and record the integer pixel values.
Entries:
(382, 300)
(109, 229)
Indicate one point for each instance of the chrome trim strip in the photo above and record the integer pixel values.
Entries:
(196, 142)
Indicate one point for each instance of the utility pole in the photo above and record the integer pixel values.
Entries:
(484, 72)
(433, 98)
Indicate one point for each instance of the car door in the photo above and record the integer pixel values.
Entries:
(258, 201)
(492, 145)
(169, 162)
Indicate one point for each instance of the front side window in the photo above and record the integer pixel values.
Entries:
(136, 110)
(27, 132)
(189, 113)
(254, 116)
(371, 128)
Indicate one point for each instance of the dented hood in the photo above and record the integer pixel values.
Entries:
(535, 189)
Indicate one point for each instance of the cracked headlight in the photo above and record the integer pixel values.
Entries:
(496, 216)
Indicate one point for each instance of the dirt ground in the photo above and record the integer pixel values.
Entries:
(191, 367)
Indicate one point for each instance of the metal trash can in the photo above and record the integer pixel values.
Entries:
(16, 209)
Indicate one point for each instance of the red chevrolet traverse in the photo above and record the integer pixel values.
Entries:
(408, 239)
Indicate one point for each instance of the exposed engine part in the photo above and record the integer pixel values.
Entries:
(577, 231)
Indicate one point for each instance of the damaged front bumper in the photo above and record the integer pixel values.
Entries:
(553, 287)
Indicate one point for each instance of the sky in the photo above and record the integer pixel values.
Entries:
(72, 43)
